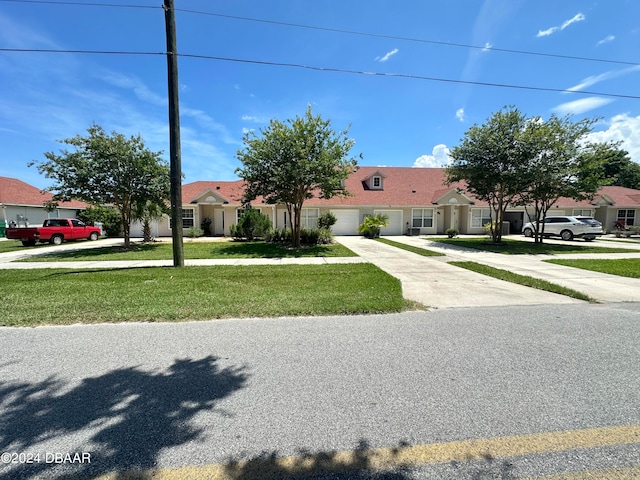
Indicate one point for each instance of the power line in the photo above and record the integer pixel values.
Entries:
(334, 70)
(409, 39)
(83, 4)
(343, 31)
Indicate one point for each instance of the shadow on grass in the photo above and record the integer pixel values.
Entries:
(269, 250)
(126, 417)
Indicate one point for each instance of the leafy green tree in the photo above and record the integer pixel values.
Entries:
(490, 159)
(108, 216)
(148, 212)
(558, 164)
(618, 167)
(293, 161)
(104, 169)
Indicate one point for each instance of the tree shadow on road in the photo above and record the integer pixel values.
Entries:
(125, 417)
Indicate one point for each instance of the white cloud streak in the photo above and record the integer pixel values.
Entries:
(387, 55)
(579, 17)
(607, 39)
(460, 114)
(583, 105)
(590, 81)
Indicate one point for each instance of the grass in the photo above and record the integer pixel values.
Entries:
(196, 250)
(410, 248)
(522, 280)
(67, 296)
(624, 267)
(519, 247)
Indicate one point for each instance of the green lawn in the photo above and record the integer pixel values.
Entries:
(624, 267)
(519, 247)
(196, 250)
(522, 280)
(67, 296)
(420, 251)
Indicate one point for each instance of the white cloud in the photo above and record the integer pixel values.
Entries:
(487, 47)
(576, 18)
(460, 114)
(624, 128)
(589, 81)
(253, 118)
(387, 55)
(581, 106)
(439, 158)
(607, 39)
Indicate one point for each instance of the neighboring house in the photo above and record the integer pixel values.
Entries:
(417, 201)
(25, 204)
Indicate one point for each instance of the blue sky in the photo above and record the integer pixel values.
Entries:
(395, 120)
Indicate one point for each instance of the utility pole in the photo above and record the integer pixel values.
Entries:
(174, 135)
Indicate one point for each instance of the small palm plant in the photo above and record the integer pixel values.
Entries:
(372, 225)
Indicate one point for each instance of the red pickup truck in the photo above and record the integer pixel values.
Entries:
(55, 231)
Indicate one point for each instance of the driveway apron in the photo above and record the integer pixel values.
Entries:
(433, 282)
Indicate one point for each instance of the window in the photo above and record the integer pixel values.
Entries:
(376, 182)
(309, 217)
(585, 212)
(187, 218)
(480, 217)
(626, 216)
(422, 217)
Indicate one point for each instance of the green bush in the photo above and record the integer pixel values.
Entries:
(108, 216)
(452, 232)
(251, 224)
(372, 225)
(205, 225)
(279, 235)
(327, 220)
(194, 232)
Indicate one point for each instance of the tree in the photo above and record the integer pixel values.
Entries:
(372, 225)
(107, 169)
(293, 161)
(619, 169)
(490, 160)
(147, 212)
(559, 164)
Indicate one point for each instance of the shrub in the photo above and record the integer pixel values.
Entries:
(108, 216)
(372, 225)
(205, 225)
(452, 232)
(194, 232)
(251, 224)
(327, 220)
(279, 235)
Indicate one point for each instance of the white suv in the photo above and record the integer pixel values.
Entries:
(567, 228)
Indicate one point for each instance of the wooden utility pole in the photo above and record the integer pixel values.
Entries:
(174, 135)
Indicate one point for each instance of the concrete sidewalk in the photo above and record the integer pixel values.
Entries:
(433, 282)
(599, 286)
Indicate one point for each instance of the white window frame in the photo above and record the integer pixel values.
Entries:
(376, 179)
(188, 220)
(626, 216)
(423, 220)
(480, 220)
(582, 212)
(309, 217)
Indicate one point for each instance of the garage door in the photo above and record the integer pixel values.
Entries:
(347, 222)
(395, 222)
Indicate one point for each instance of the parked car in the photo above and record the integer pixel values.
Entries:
(54, 231)
(567, 228)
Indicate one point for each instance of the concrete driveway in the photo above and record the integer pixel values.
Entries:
(430, 280)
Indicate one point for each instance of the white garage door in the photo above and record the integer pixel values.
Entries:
(395, 222)
(347, 222)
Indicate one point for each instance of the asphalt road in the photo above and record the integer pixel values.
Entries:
(511, 392)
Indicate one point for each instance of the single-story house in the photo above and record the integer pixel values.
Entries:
(417, 201)
(25, 204)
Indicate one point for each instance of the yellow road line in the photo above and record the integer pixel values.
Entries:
(387, 458)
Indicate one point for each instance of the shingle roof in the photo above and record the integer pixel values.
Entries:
(402, 186)
(17, 192)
